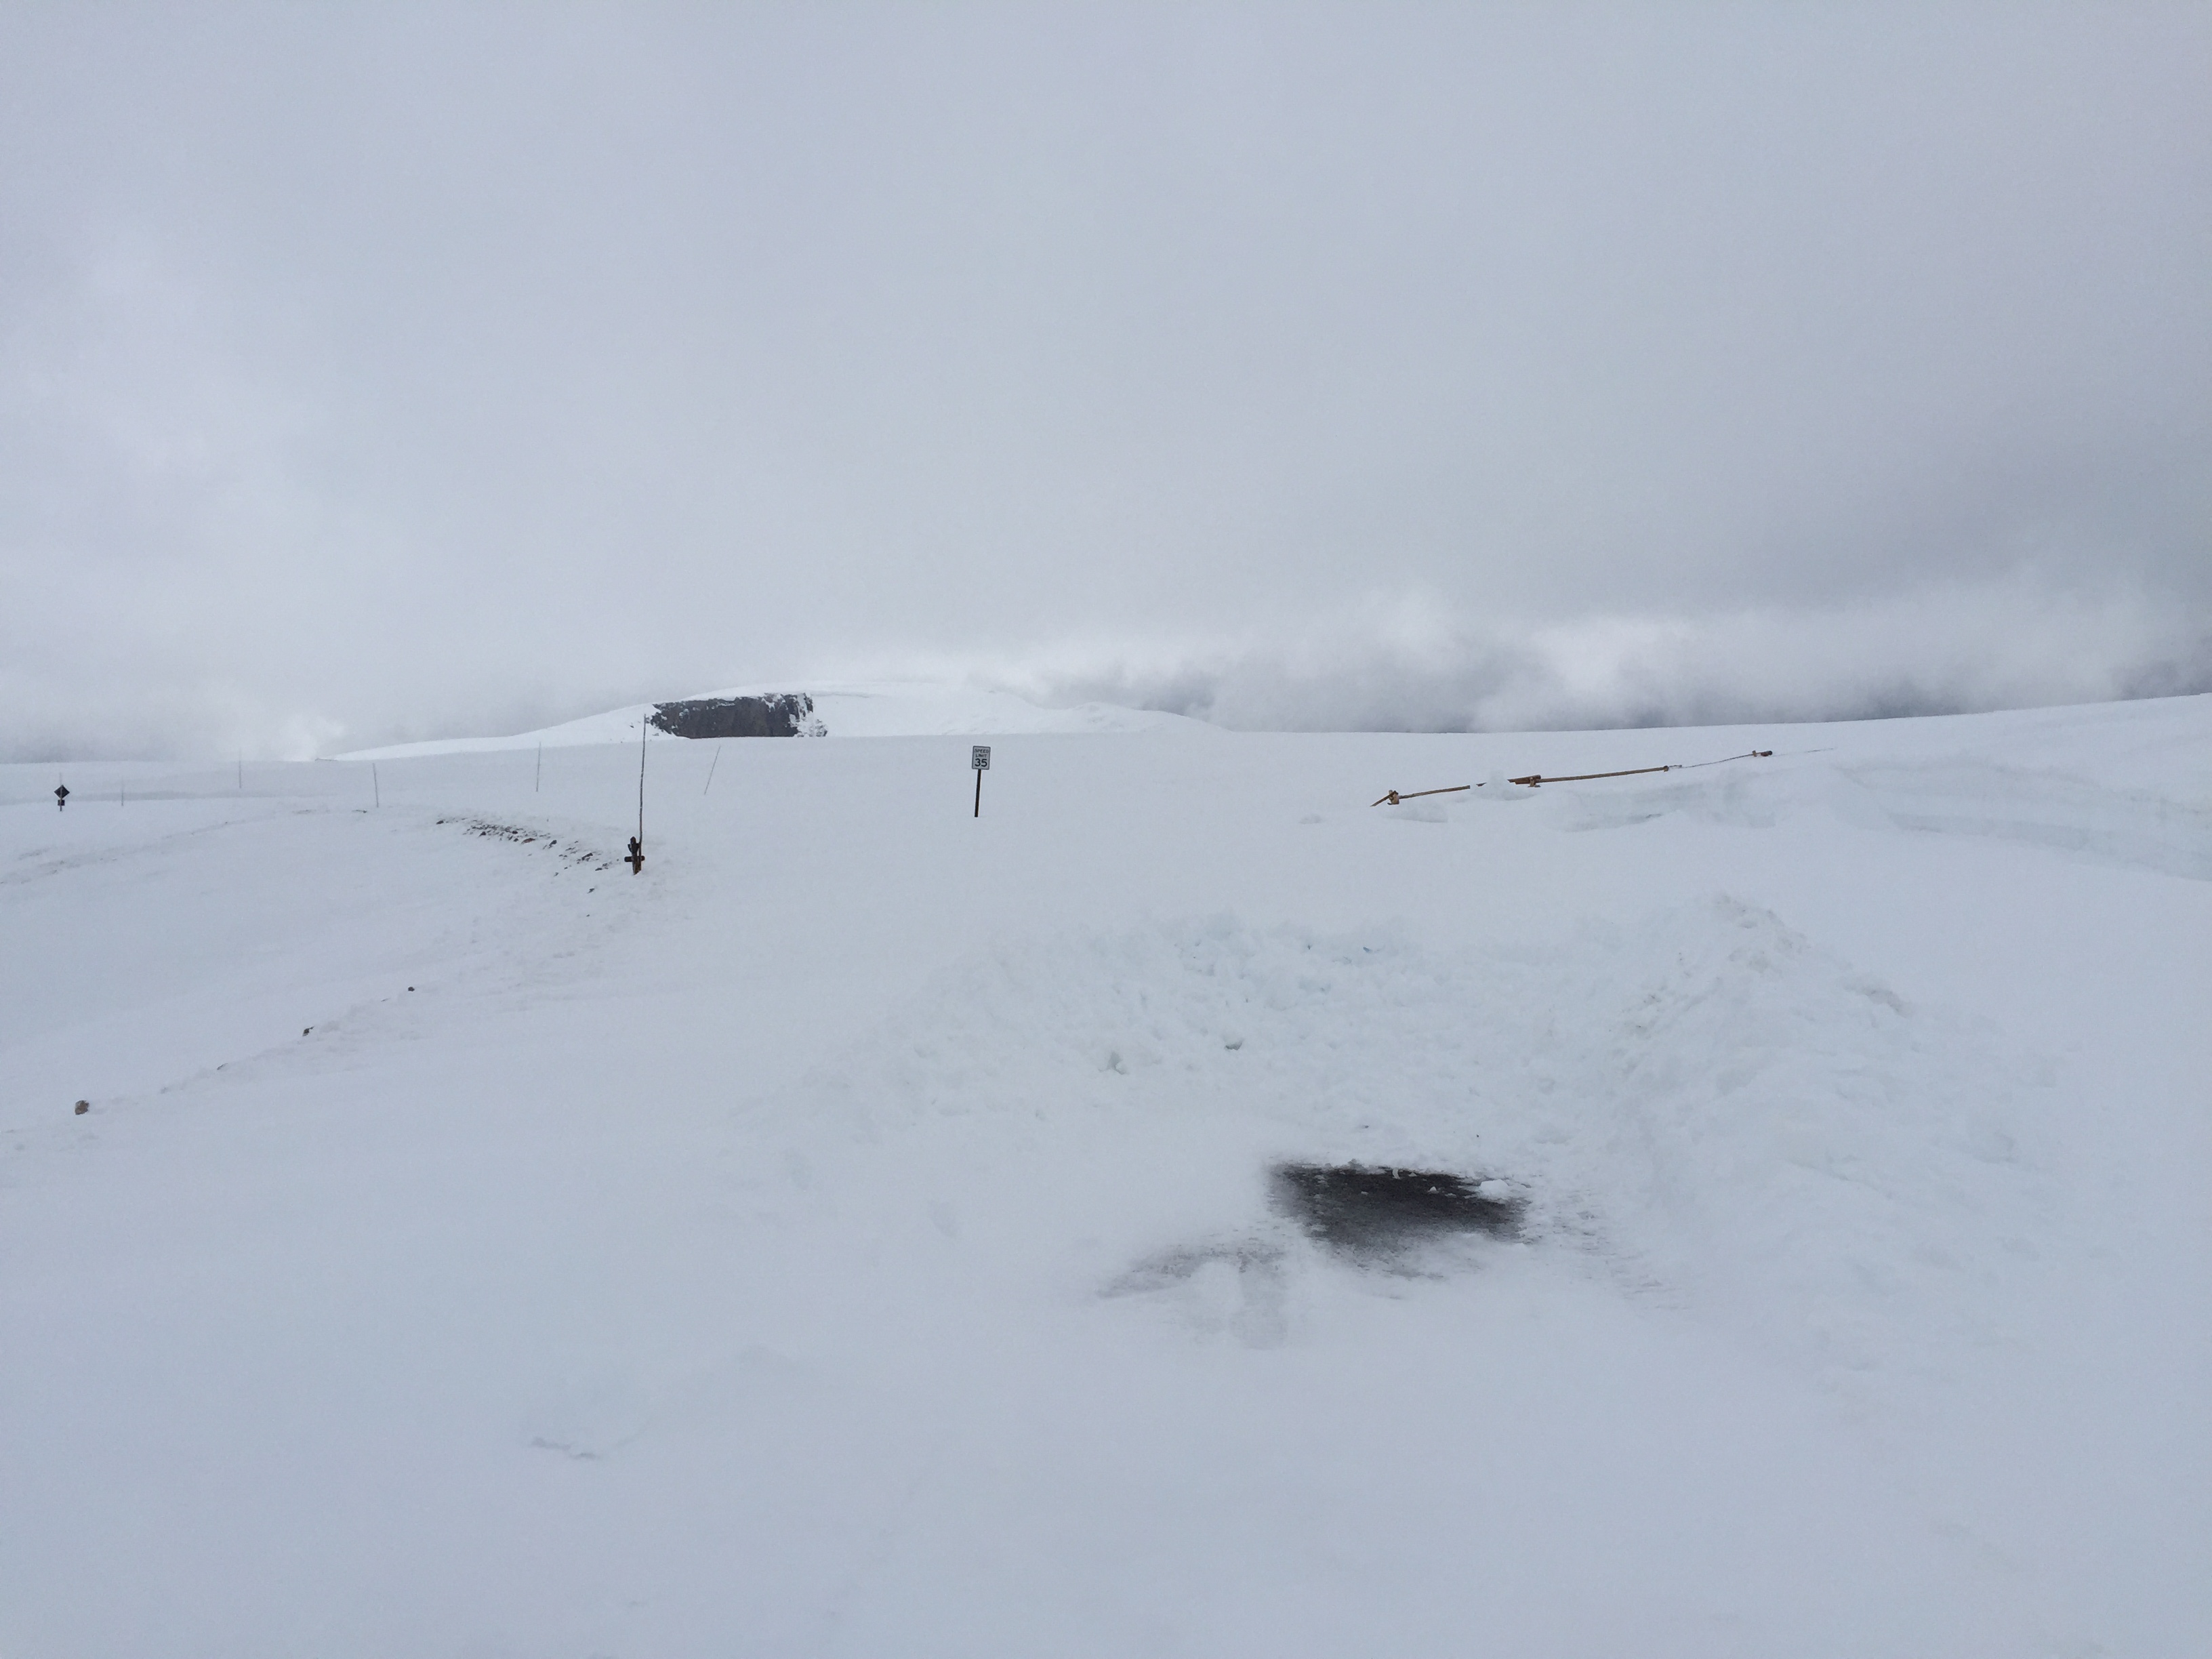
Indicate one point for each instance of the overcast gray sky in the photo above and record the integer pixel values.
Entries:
(385, 372)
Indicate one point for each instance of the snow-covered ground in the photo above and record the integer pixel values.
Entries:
(874, 709)
(853, 1236)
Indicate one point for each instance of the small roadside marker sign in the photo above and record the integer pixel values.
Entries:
(978, 757)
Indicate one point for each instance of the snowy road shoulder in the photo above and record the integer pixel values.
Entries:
(874, 1229)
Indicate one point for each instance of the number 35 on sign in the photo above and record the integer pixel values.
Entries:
(978, 757)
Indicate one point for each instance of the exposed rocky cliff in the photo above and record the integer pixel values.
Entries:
(787, 714)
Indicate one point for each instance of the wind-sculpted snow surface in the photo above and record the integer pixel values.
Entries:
(2152, 829)
(1185, 1211)
(2142, 827)
(1699, 1105)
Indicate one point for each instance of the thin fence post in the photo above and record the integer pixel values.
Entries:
(637, 847)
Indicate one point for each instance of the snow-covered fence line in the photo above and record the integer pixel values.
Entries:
(1391, 798)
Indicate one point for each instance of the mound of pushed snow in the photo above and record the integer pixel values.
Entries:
(1709, 1107)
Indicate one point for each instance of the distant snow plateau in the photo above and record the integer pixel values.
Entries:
(879, 709)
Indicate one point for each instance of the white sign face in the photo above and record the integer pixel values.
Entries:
(979, 756)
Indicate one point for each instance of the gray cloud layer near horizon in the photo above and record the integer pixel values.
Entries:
(378, 373)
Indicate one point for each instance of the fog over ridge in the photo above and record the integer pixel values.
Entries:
(1944, 653)
(380, 375)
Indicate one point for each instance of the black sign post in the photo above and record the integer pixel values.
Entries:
(636, 859)
(61, 797)
(979, 756)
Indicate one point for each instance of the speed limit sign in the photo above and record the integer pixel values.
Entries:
(978, 757)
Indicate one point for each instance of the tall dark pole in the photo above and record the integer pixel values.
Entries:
(979, 791)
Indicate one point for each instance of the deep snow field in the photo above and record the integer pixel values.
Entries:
(853, 1235)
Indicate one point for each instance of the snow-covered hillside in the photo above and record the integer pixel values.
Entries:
(856, 1235)
(871, 710)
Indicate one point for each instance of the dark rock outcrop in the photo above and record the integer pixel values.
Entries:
(787, 714)
(1364, 1210)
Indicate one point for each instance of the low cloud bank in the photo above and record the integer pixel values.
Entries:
(1936, 654)
(124, 708)
(1396, 666)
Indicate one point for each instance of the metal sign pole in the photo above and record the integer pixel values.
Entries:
(637, 841)
(978, 757)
